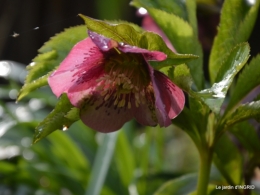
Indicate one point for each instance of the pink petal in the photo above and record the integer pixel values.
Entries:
(102, 42)
(101, 117)
(106, 44)
(169, 99)
(83, 56)
(148, 55)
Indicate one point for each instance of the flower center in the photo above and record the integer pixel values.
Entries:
(126, 80)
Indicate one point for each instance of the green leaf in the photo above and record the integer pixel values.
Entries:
(236, 23)
(247, 136)
(147, 40)
(182, 185)
(56, 120)
(247, 81)
(227, 157)
(183, 38)
(183, 9)
(243, 112)
(231, 65)
(51, 55)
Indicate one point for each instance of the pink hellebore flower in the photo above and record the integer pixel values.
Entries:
(112, 82)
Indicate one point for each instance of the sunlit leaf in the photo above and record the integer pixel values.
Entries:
(236, 23)
(231, 65)
(247, 81)
(127, 34)
(183, 9)
(56, 120)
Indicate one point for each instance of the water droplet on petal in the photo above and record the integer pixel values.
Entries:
(121, 44)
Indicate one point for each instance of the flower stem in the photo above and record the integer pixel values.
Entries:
(204, 172)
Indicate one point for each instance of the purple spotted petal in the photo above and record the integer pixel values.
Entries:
(80, 66)
(169, 99)
(104, 118)
(102, 42)
(148, 55)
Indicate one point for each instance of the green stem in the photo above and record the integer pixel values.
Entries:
(204, 172)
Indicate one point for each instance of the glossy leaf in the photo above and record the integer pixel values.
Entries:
(231, 65)
(56, 120)
(247, 81)
(226, 158)
(236, 23)
(182, 185)
(51, 54)
(127, 34)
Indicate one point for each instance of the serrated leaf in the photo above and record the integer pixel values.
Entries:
(243, 112)
(236, 23)
(227, 157)
(51, 54)
(231, 65)
(28, 88)
(183, 38)
(56, 120)
(247, 81)
(147, 40)
(182, 185)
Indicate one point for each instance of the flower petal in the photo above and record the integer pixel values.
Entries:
(144, 115)
(169, 99)
(99, 116)
(83, 56)
(102, 42)
(106, 44)
(148, 55)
